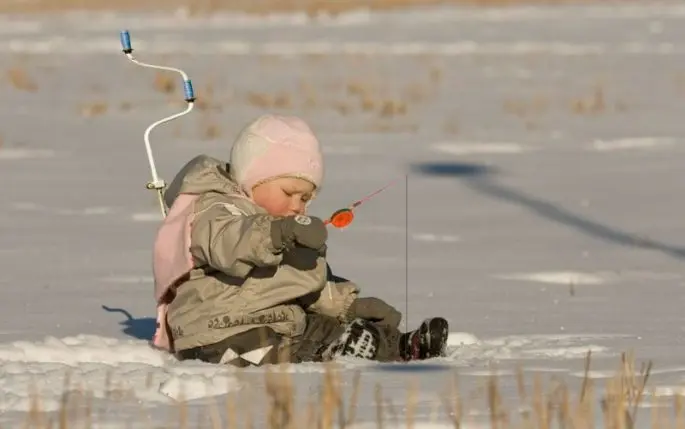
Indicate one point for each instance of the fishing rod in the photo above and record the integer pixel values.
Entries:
(342, 218)
(158, 184)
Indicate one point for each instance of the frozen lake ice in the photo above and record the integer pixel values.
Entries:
(542, 149)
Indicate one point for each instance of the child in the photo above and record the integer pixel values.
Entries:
(240, 270)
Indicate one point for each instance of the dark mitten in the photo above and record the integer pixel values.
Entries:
(301, 258)
(375, 310)
(306, 231)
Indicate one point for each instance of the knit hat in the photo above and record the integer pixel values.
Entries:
(276, 146)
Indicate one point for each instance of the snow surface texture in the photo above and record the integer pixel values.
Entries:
(544, 152)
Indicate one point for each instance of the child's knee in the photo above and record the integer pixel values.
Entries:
(376, 310)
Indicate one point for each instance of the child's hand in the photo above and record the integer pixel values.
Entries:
(307, 231)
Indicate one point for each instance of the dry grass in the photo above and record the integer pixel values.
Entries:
(312, 7)
(591, 102)
(210, 131)
(526, 108)
(92, 109)
(366, 95)
(165, 83)
(20, 79)
(543, 407)
(279, 100)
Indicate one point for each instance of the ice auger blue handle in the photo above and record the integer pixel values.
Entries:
(188, 90)
(125, 38)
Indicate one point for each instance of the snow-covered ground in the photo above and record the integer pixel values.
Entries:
(538, 153)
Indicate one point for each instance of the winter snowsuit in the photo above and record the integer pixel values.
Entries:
(228, 295)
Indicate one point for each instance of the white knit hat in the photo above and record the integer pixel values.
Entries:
(276, 146)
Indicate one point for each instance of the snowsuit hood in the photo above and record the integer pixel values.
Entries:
(199, 175)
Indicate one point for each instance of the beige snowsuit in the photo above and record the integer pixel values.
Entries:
(217, 273)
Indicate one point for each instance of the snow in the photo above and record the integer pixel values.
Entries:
(632, 143)
(235, 47)
(12, 154)
(464, 148)
(544, 151)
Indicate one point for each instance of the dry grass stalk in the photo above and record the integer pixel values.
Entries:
(311, 415)
(390, 108)
(378, 396)
(493, 402)
(415, 93)
(269, 101)
(280, 390)
(412, 400)
(451, 402)
(367, 103)
(308, 94)
(164, 83)
(564, 411)
(96, 108)
(678, 408)
(594, 104)
(358, 89)
(20, 79)
(282, 101)
(352, 406)
(230, 408)
(215, 420)
(526, 108)
(206, 99)
(539, 409)
(435, 75)
(34, 415)
(210, 131)
(332, 402)
(342, 108)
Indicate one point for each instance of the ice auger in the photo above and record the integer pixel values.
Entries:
(158, 184)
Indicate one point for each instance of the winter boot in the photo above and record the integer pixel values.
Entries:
(428, 341)
(360, 339)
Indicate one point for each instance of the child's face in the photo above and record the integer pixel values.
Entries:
(285, 196)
